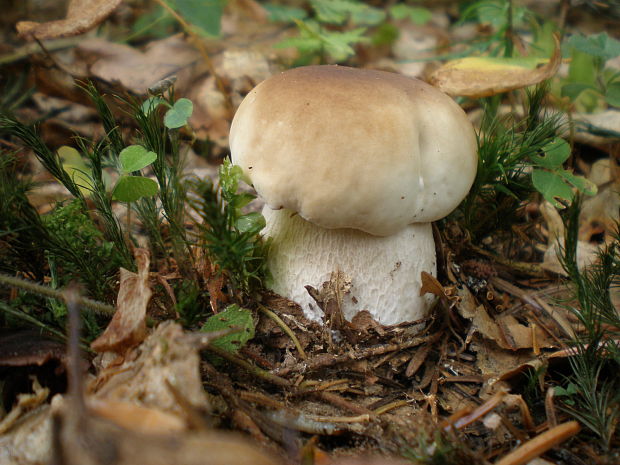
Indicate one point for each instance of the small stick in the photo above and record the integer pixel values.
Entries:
(76, 384)
(478, 412)
(36, 288)
(540, 444)
(311, 386)
(343, 403)
(533, 269)
(390, 406)
(327, 419)
(262, 399)
(325, 360)
(552, 418)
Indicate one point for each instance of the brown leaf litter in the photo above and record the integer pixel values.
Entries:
(142, 411)
(82, 16)
(128, 327)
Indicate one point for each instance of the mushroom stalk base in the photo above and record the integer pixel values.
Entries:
(384, 272)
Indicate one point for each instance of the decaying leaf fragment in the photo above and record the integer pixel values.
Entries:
(128, 326)
(87, 439)
(600, 213)
(485, 76)
(329, 297)
(504, 330)
(25, 402)
(586, 252)
(168, 361)
(28, 440)
(82, 16)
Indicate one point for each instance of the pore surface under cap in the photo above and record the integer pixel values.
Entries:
(350, 148)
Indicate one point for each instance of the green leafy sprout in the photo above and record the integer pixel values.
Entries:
(82, 238)
(591, 392)
(232, 317)
(335, 27)
(230, 235)
(130, 188)
(516, 157)
(590, 83)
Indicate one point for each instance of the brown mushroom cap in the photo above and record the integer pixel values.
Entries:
(352, 148)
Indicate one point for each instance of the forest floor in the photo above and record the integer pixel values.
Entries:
(184, 357)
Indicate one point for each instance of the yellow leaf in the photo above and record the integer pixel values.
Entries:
(485, 76)
(76, 168)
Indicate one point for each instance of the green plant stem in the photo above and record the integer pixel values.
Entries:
(35, 288)
(27, 50)
(250, 368)
(30, 319)
(33, 321)
(284, 328)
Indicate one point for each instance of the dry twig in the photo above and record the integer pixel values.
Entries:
(325, 360)
(540, 444)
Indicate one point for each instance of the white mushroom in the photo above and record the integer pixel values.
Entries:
(353, 166)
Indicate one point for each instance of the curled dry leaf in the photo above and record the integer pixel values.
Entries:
(128, 327)
(330, 296)
(431, 285)
(82, 16)
(485, 76)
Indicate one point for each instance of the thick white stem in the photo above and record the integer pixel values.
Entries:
(384, 271)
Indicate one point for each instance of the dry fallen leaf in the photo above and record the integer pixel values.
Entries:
(330, 296)
(84, 438)
(504, 330)
(241, 69)
(600, 213)
(135, 70)
(82, 16)
(485, 76)
(430, 284)
(590, 126)
(136, 417)
(133, 418)
(128, 327)
(497, 364)
(586, 252)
